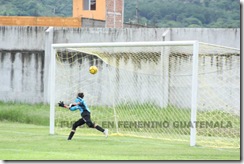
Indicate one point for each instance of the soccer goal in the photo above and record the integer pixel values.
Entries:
(182, 91)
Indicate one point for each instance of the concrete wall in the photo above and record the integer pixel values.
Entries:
(224, 37)
(33, 38)
(86, 22)
(25, 77)
(22, 76)
(89, 35)
(221, 36)
(19, 38)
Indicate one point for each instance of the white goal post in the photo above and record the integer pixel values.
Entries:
(128, 44)
(190, 86)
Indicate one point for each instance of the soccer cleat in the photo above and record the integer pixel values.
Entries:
(105, 132)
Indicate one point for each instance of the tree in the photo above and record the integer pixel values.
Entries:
(192, 21)
(175, 13)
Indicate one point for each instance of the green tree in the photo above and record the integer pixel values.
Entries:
(192, 21)
(158, 13)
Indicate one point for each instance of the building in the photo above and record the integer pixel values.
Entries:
(108, 11)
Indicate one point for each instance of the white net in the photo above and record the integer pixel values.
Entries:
(146, 91)
(219, 96)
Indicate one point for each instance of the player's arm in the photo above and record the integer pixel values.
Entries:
(61, 104)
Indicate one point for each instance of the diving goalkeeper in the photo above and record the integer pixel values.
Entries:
(80, 105)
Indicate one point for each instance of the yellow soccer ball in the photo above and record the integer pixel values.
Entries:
(93, 69)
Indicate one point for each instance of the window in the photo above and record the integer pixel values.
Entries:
(93, 4)
(89, 4)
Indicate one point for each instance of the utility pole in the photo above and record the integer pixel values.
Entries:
(137, 13)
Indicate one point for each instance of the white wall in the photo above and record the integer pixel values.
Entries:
(26, 78)
(33, 38)
(222, 36)
(28, 38)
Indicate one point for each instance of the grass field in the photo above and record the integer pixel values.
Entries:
(32, 142)
(24, 135)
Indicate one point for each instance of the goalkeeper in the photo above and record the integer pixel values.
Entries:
(80, 104)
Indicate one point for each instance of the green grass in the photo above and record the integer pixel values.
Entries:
(38, 114)
(32, 142)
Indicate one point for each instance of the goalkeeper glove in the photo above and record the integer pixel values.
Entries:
(61, 104)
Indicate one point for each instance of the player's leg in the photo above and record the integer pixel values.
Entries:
(75, 125)
(105, 131)
(88, 121)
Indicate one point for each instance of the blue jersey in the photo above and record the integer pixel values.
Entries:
(82, 106)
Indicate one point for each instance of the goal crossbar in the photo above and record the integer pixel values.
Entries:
(122, 44)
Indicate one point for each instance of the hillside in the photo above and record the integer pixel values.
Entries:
(185, 13)
(153, 13)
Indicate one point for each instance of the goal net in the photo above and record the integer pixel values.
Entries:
(181, 91)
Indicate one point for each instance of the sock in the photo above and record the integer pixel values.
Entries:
(99, 128)
(71, 135)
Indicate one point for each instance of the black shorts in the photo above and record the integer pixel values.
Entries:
(86, 116)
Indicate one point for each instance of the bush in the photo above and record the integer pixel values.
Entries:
(37, 114)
